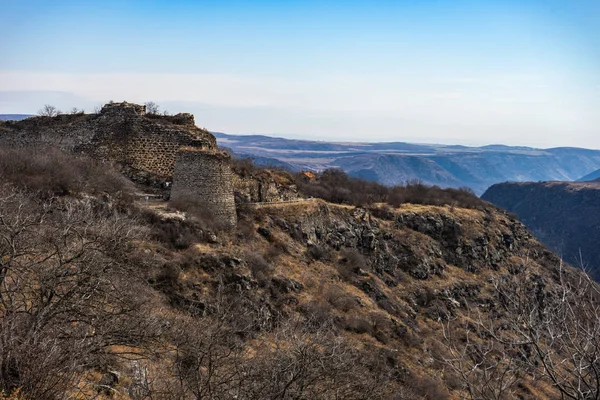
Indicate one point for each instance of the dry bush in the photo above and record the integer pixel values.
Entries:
(69, 291)
(336, 186)
(244, 166)
(48, 111)
(339, 298)
(199, 212)
(428, 388)
(275, 250)
(547, 330)
(52, 172)
(318, 252)
(317, 312)
(419, 193)
(245, 230)
(383, 211)
(350, 263)
(358, 324)
(261, 270)
(174, 233)
(298, 363)
(15, 395)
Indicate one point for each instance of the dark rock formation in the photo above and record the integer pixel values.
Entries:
(563, 215)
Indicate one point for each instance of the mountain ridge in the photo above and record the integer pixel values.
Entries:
(394, 163)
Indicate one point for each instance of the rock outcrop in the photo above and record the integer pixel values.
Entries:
(563, 215)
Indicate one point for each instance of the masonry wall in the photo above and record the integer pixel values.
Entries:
(121, 132)
(207, 177)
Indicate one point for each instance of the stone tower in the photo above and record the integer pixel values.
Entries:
(150, 148)
(205, 176)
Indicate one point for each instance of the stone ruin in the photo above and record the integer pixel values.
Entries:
(206, 176)
(168, 148)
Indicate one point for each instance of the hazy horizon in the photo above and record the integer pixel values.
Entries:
(447, 72)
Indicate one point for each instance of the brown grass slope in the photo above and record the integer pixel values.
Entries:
(101, 297)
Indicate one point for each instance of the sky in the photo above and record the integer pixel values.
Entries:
(517, 72)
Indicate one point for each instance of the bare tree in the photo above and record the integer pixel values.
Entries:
(152, 108)
(48, 111)
(486, 369)
(65, 292)
(546, 329)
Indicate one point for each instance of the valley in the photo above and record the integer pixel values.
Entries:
(397, 163)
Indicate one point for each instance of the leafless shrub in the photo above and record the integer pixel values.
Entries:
(350, 263)
(66, 279)
(383, 211)
(48, 111)
(336, 186)
(317, 312)
(339, 298)
(174, 233)
(275, 250)
(319, 252)
(428, 388)
(419, 193)
(243, 166)
(200, 212)
(260, 268)
(53, 172)
(152, 108)
(548, 330)
(358, 324)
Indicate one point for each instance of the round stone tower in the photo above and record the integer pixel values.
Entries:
(205, 176)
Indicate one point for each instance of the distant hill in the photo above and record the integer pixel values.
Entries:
(563, 215)
(590, 177)
(14, 117)
(394, 163)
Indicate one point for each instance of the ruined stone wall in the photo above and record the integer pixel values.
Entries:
(260, 189)
(121, 132)
(207, 177)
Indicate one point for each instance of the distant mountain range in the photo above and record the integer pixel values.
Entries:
(593, 176)
(397, 162)
(14, 117)
(393, 163)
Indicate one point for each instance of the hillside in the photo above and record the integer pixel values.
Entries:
(564, 215)
(443, 165)
(137, 261)
(592, 176)
(108, 297)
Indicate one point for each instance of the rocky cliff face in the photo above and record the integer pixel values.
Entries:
(387, 277)
(564, 215)
(304, 300)
(264, 187)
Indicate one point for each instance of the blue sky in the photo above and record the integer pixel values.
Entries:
(448, 71)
